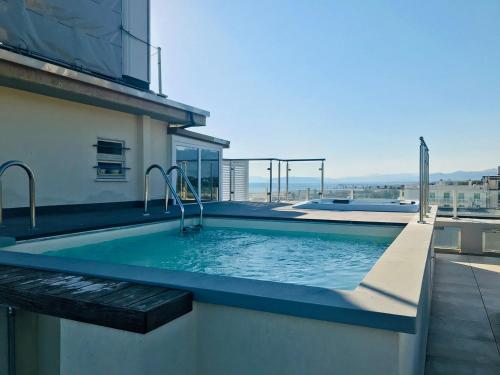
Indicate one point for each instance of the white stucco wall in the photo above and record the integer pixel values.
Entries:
(89, 349)
(240, 341)
(55, 138)
(222, 340)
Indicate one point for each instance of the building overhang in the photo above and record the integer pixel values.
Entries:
(34, 75)
(199, 137)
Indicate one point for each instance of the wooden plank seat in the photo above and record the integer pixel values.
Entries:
(118, 304)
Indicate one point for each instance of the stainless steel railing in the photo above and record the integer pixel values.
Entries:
(424, 180)
(169, 188)
(31, 176)
(190, 187)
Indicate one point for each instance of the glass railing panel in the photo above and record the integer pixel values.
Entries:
(491, 241)
(447, 238)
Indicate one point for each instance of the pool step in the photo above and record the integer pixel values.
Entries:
(192, 228)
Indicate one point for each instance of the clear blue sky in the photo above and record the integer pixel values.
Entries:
(356, 82)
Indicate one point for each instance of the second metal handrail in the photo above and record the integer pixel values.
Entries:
(31, 176)
(190, 187)
(168, 186)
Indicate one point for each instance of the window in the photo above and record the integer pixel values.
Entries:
(461, 196)
(446, 196)
(111, 160)
(477, 196)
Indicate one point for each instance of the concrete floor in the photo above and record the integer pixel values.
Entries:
(464, 332)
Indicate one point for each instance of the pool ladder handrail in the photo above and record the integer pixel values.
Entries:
(169, 188)
(31, 176)
(190, 187)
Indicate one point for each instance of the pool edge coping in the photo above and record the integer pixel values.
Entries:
(363, 306)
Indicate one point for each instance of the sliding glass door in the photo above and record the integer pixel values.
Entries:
(202, 166)
(187, 159)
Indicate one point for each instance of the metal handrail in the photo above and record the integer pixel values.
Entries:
(190, 187)
(31, 176)
(168, 184)
(424, 180)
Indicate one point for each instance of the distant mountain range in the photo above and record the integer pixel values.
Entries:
(397, 178)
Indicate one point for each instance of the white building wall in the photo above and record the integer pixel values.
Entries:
(222, 340)
(56, 137)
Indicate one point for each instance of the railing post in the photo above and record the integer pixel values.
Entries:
(455, 208)
(423, 181)
(322, 169)
(270, 193)
(308, 194)
(286, 183)
(160, 91)
(231, 182)
(421, 184)
(279, 180)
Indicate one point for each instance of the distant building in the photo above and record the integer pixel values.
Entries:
(469, 194)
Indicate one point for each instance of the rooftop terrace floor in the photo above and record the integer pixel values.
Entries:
(61, 223)
(464, 332)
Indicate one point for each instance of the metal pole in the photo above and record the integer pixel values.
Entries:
(270, 181)
(426, 181)
(421, 183)
(159, 72)
(167, 193)
(279, 180)
(455, 209)
(146, 194)
(308, 194)
(231, 184)
(32, 202)
(11, 338)
(286, 184)
(322, 169)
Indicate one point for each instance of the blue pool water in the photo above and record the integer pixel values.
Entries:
(325, 260)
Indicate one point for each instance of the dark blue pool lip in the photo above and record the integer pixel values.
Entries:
(57, 223)
(281, 298)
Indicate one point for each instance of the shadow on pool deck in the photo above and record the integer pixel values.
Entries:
(464, 332)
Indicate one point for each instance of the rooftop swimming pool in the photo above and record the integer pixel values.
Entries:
(325, 255)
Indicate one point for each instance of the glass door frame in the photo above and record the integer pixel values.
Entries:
(199, 145)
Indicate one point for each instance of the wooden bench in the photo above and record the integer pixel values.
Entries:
(118, 304)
